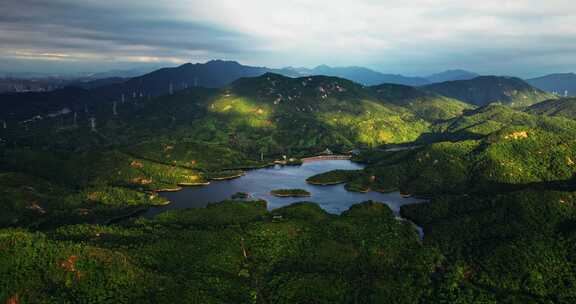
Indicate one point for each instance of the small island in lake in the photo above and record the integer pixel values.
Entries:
(333, 177)
(240, 196)
(290, 193)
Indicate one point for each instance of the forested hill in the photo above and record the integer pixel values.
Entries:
(212, 74)
(499, 183)
(114, 152)
(565, 107)
(426, 104)
(560, 83)
(484, 90)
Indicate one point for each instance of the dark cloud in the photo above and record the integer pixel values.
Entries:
(401, 36)
(60, 26)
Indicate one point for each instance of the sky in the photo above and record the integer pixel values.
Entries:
(412, 37)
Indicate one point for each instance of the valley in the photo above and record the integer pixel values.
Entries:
(167, 197)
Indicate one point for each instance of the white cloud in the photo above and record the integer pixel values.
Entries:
(393, 35)
(365, 31)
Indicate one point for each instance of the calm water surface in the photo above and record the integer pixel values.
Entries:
(258, 183)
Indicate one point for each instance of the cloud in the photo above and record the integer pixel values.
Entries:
(87, 31)
(413, 36)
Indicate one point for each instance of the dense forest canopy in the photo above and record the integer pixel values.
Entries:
(498, 220)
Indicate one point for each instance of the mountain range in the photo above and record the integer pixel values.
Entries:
(451, 75)
(360, 75)
(498, 224)
(483, 90)
(216, 74)
(563, 84)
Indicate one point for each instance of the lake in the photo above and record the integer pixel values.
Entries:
(258, 183)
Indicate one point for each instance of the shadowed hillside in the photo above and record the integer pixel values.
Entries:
(484, 90)
(565, 107)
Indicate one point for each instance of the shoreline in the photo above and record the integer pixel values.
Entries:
(325, 183)
(326, 157)
(192, 184)
(290, 195)
(181, 186)
(227, 177)
(169, 189)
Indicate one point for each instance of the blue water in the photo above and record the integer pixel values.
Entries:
(258, 183)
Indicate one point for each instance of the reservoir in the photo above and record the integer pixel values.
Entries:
(258, 184)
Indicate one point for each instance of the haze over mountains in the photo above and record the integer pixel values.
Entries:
(361, 75)
(455, 84)
(217, 73)
(451, 75)
(478, 91)
(563, 84)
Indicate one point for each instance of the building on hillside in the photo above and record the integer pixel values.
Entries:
(327, 152)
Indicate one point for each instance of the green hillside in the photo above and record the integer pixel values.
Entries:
(426, 104)
(564, 107)
(198, 134)
(484, 90)
(490, 149)
(504, 248)
(499, 226)
(230, 252)
(191, 137)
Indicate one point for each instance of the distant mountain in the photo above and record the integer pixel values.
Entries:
(212, 74)
(451, 75)
(218, 73)
(562, 84)
(129, 73)
(360, 75)
(97, 83)
(370, 77)
(484, 90)
(564, 107)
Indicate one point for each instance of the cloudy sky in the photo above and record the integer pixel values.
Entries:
(513, 37)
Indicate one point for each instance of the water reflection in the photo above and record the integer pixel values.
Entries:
(258, 183)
